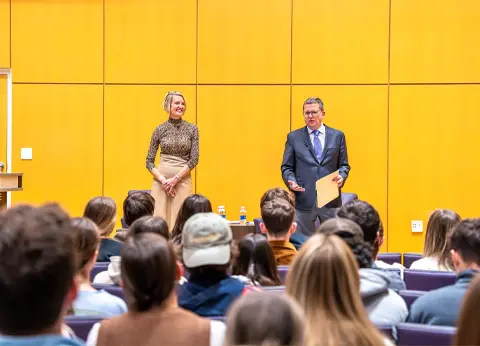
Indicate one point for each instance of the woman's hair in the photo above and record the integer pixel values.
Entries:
(256, 261)
(152, 224)
(86, 239)
(102, 211)
(149, 271)
(136, 205)
(352, 235)
(261, 318)
(436, 244)
(193, 204)
(167, 102)
(324, 279)
(468, 332)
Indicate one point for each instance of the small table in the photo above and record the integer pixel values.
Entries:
(239, 231)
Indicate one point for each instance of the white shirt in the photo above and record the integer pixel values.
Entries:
(427, 263)
(321, 136)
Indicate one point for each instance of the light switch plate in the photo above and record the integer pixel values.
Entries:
(417, 226)
(26, 153)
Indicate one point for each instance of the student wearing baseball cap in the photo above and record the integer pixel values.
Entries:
(206, 253)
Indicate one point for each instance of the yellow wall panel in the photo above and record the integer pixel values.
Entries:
(3, 121)
(150, 41)
(361, 113)
(432, 157)
(244, 41)
(4, 33)
(435, 41)
(57, 41)
(340, 41)
(242, 135)
(63, 126)
(131, 115)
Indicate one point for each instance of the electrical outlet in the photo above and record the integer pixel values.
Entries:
(417, 226)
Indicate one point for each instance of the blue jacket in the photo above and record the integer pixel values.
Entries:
(108, 248)
(209, 296)
(441, 306)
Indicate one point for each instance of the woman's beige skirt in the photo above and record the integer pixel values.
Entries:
(167, 206)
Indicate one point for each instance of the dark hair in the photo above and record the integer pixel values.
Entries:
(465, 239)
(193, 204)
(367, 217)
(439, 224)
(37, 268)
(102, 211)
(86, 239)
(149, 271)
(468, 332)
(256, 261)
(136, 205)
(152, 224)
(352, 235)
(278, 215)
(277, 193)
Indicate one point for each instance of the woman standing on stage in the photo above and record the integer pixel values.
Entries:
(178, 141)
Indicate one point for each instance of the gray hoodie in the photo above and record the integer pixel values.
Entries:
(383, 305)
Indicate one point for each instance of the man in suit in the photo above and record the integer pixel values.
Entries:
(311, 153)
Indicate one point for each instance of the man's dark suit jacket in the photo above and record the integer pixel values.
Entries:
(300, 164)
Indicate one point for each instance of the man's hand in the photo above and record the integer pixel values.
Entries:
(294, 186)
(339, 180)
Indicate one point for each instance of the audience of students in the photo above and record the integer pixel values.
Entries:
(254, 263)
(37, 276)
(206, 253)
(103, 211)
(89, 301)
(436, 254)
(277, 224)
(367, 217)
(468, 333)
(324, 279)
(265, 319)
(136, 205)
(383, 305)
(149, 273)
(441, 306)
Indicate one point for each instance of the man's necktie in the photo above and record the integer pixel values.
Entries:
(317, 146)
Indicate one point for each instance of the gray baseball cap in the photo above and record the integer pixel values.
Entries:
(206, 239)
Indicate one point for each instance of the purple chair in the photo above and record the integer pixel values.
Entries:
(386, 330)
(409, 296)
(410, 257)
(97, 268)
(426, 280)
(282, 273)
(112, 289)
(390, 257)
(81, 325)
(412, 334)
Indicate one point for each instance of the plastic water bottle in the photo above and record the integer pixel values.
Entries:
(221, 211)
(243, 216)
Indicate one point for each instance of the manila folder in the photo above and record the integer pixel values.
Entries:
(327, 189)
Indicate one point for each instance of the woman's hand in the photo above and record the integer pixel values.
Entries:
(168, 184)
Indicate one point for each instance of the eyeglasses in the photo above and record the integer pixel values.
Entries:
(312, 113)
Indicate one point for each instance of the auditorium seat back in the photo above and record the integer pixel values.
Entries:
(410, 257)
(425, 280)
(282, 273)
(97, 268)
(81, 325)
(412, 334)
(112, 289)
(390, 257)
(409, 296)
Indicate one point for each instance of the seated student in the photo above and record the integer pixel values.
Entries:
(206, 253)
(136, 205)
(324, 280)
(277, 223)
(37, 276)
(103, 211)
(436, 255)
(441, 306)
(149, 273)
(367, 217)
(383, 305)
(91, 302)
(265, 319)
(296, 238)
(144, 224)
(254, 263)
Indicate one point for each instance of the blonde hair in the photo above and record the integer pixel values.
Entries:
(102, 211)
(262, 318)
(324, 279)
(167, 102)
